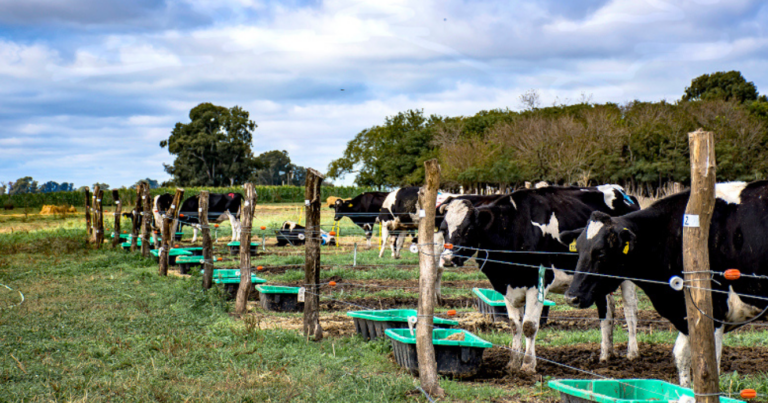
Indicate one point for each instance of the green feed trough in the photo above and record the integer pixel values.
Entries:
(172, 254)
(621, 391)
(280, 298)
(491, 302)
(234, 248)
(459, 357)
(372, 324)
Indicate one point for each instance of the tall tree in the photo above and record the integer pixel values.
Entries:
(275, 168)
(153, 184)
(214, 149)
(726, 86)
(24, 185)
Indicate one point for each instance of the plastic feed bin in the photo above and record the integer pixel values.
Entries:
(234, 248)
(372, 324)
(279, 298)
(230, 278)
(187, 262)
(458, 359)
(621, 391)
(172, 255)
(491, 302)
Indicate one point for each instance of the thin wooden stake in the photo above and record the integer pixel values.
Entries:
(425, 349)
(88, 226)
(246, 214)
(99, 219)
(118, 211)
(312, 203)
(207, 242)
(145, 217)
(696, 224)
(170, 215)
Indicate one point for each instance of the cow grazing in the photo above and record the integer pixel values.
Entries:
(363, 210)
(531, 220)
(647, 246)
(221, 206)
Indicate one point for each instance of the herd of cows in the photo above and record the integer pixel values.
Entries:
(592, 241)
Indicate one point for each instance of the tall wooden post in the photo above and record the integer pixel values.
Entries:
(118, 211)
(94, 213)
(207, 242)
(425, 350)
(99, 219)
(246, 214)
(146, 219)
(312, 235)
(88, 225)
(137, 217)
(168, 217)
(696, 223)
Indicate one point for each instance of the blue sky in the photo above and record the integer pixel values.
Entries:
(88, 88)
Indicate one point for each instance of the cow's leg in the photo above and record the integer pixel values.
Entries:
(399, 244)
(629, 295)
(384, 238)
(194, 233)
(606, 310)
(437, 251)
(515, 301)
(682, 353)
(235, 223)
(368, 228)
(531, 322)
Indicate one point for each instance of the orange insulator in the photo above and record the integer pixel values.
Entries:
(332, 283)
(732, 274)
(263, 228)
(219, 259)
(748, 394)
(260, 268)
(215, 225)
(452, 312)
(448, 246)
(181, 215)
(332, 233)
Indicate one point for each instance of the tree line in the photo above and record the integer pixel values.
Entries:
(640, 145)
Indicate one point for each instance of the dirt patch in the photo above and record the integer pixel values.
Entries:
(333, 325)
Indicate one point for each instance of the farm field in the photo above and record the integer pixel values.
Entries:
(101, 325)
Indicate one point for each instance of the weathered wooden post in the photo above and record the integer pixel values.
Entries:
(99, 219)
(169, 216)
(246, 214)
(425, 350)
(207, 242)
(94, 213)
(696, 223)
(137, 209)
(118, 211)
(88, 226)
(146, 219)
(312, 235)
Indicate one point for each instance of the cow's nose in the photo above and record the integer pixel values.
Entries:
(572, 300)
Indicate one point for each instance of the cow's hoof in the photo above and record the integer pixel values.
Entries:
(515, 362)
(529, 367)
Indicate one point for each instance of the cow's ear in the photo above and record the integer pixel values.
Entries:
(568, 238)
(445, 204)
(627, 240)
(599, 216)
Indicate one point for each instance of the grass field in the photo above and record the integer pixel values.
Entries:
(101, 325)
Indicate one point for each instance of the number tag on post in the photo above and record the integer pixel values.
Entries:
(691, 220)
(302, 291)
(540, 294)
(422, 213)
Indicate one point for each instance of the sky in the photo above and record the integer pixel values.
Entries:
(89, 88)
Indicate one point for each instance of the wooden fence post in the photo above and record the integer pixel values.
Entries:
(118, 210)
(99, 219)
(136, 214)
(88, 225)
(312, 203)
(696, 223)
(169, 216)
(425, 350)
(146, 219)
(94, 213)
(246, 214)
(207, 243)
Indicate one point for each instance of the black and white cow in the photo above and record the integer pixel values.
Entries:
(363, 210)
(399, 215)
(531, 220)
(647, 246)
(221, 206)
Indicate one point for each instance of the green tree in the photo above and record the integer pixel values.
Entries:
(153, 184)
(722, 85)
(214, 149)
(24, 185)
(102, 186)
(275, 168)
(392, 154)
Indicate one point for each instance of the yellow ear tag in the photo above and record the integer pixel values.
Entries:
(572, 246)
(626, 248)
(350, 205)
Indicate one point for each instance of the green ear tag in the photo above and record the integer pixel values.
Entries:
(572, 246)
(626, 248)
(540, 295)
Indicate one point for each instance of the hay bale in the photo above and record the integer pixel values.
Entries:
(72, 209)
(50, 210)
(331, 201)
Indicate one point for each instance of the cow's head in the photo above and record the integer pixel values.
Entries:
(341, 206)
(461, 226)
(605, 248)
